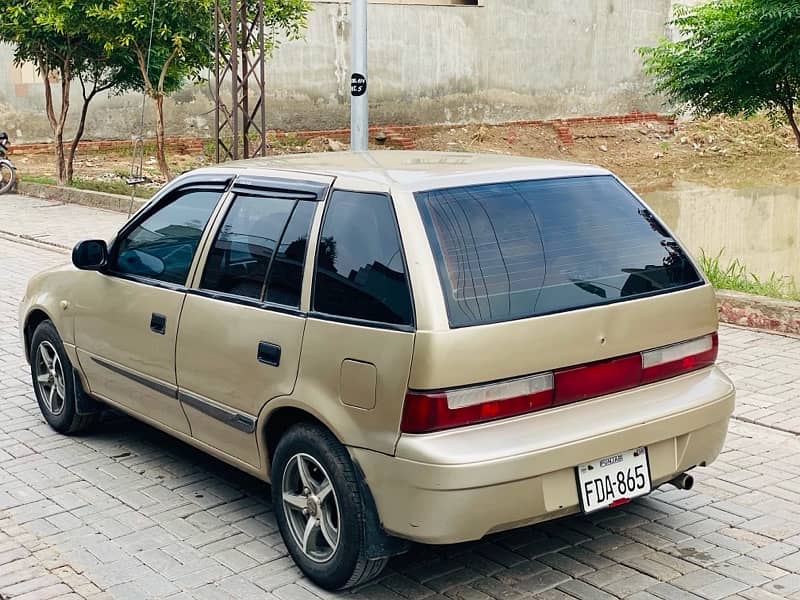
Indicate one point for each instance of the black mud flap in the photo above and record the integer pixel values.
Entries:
(84, 403)
(379, 544)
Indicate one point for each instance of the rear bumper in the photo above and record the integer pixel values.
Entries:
(459, 485)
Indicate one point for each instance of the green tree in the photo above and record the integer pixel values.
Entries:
(732, 57)
(180, 46)
(51, 34)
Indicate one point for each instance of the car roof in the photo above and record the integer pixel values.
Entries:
(413, 170)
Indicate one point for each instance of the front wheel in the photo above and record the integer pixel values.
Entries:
(8, 176)
(54, 382)
(320, 510)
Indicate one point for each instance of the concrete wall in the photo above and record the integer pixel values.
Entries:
(507, 59)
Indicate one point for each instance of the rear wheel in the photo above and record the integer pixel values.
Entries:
(54, 382)
(320, 510)
(8, 176)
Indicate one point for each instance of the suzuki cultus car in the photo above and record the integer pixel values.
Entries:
(409, 346)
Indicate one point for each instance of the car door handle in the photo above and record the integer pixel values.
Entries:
(269, 354)
(158, 323)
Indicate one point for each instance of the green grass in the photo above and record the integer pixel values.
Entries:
(736, 276)
(109, 187)
(290, 140)
(149, 149)
(209, 148)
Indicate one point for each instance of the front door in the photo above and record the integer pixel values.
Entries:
(127, 316)
(241, 328)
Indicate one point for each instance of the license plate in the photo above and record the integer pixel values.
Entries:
(613, 480)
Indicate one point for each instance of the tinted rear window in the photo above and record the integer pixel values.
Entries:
(360, 269)
(519, 249)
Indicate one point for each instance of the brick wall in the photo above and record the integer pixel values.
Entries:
(397, 136)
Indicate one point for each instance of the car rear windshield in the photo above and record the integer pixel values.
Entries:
(512, 250)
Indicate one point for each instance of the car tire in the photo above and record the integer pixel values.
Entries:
(312, 470)
(55, 382)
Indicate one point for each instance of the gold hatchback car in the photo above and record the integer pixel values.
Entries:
(409, 346)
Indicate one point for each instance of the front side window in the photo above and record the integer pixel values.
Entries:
(360, 271)
(512, 250)
(162, 246)
(259, 251)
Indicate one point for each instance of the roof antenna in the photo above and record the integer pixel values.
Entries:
(136, 175)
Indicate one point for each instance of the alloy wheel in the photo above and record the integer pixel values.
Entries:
(311, 507)
(50, 378)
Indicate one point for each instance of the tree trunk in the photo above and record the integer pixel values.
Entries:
(76, 139)
(793, 123)
(157, 94)
(81, 127)
(62, 122)
(61, 170)
(788, 108)
(56, 124)
(160, 142)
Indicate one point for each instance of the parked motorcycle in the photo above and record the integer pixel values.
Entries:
(8, 172)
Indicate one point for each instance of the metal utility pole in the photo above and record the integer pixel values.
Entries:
(359, 107)
(240, 114)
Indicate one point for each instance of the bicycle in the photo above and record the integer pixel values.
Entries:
(8, 172)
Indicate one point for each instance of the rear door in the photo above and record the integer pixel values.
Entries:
(544, 274)
(242, 327)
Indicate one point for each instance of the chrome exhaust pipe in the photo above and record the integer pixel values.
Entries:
(684, 481)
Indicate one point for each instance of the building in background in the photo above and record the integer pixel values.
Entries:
(430, 61)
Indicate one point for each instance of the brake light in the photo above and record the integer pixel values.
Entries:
(670, 361)
(424, 412)
(432, 411)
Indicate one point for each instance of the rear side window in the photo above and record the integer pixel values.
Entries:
(360, 271)
(286, 274)
(519, 249)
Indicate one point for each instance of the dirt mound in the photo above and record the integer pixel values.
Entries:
(719, 151)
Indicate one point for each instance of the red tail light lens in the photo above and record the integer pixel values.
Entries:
(425, 412)
(597, 379)
(670, 361)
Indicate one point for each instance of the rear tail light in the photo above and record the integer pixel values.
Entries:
(670, 361)
(424, 412)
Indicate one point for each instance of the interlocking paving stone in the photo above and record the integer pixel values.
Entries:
(128, 512)
(55, 222)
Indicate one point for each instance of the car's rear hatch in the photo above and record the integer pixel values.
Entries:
(571, 280)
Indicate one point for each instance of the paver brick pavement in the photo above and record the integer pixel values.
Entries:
(55, 223)
(128, 512)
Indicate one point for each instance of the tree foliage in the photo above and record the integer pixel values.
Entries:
(168, 41)
(180, 45)
(150, 46)
(732, 57)
(53, 36)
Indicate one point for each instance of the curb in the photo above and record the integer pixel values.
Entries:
(759, 312)
(69, 195)
(30, 241)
